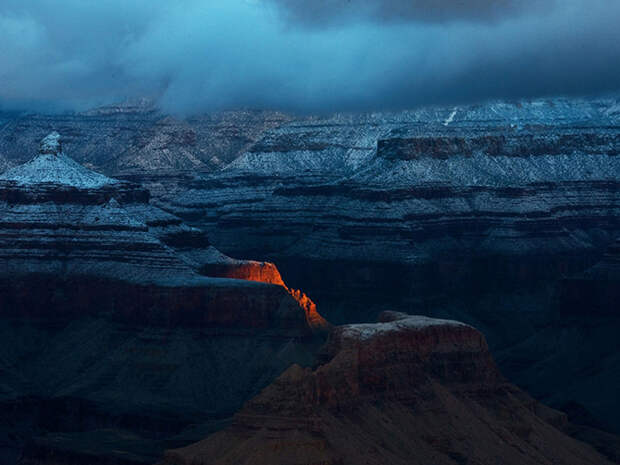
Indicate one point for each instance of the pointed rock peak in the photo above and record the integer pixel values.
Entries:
(52, 166)
(50, 144)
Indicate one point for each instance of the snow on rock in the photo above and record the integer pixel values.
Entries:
(394, 322)
(51, 144)
(451, 117)
(82, 242)
(53, 167)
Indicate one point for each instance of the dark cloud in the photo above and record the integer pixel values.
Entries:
(326, 12)
(196, 56)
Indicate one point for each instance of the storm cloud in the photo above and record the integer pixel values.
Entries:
(193, 56)
(326, 12)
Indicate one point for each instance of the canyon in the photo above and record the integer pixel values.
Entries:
(502, 215)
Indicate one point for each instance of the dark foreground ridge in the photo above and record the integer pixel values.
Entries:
(408, 390)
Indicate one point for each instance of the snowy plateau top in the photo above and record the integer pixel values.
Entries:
(396, 322)
(51, 166)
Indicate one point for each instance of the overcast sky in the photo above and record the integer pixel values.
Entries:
(303, 55)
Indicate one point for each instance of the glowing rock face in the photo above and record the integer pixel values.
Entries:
(313, 317)
(264, 272)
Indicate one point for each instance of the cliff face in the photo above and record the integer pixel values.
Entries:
(410, 390)
(111, 331)
(214, 263)
(512, 144)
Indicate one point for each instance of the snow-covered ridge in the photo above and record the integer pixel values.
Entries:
(345, 143)
(51, 166)
(56, 169)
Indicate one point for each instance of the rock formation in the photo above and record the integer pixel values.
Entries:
(402, 188)
(110, 331)
(215, 263)
(408, 390)
(62, 223)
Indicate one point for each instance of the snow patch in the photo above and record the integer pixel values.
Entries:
(48, 168)
(51, 144)
(613, 110)
(451, 117)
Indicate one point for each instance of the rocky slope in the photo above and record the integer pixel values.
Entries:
(110, 331)
(408, 390)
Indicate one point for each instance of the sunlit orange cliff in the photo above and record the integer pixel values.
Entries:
(222, 266)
